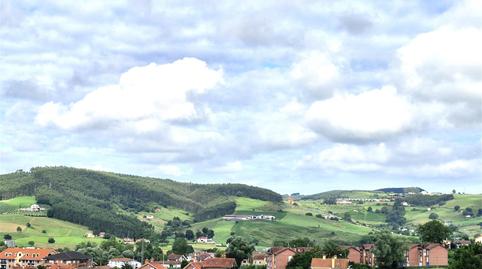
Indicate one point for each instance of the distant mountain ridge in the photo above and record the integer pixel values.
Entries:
(402, 190)
(358, 193)
(95, 199)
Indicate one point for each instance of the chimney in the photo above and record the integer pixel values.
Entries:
(324, 257)
(333, 262)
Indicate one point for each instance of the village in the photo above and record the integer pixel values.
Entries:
(418, 255)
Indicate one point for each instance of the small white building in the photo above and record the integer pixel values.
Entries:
(35, 208)
(120, 262)
(205, 240)
(478, 239)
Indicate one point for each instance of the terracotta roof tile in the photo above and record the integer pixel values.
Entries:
(219, 263)
(327, 263)
(35, 254)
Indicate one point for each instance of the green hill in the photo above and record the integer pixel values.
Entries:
(99, 200)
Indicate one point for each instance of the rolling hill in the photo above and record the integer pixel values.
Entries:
(99, 200)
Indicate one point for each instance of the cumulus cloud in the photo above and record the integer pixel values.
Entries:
(144, 96)
(316, 73)
(352, 158)
(369, 116)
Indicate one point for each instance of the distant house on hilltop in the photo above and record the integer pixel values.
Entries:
(205, 240)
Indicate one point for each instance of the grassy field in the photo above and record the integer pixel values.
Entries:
(65, 234)
(16, 203)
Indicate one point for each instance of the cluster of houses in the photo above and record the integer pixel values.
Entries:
(418, 255)
(249, 217)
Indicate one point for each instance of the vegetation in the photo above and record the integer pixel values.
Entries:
(181, 247)
(434, 232)
(427, 200)
(239, 249)
(467, 257)
(92, 198)
(389, 250)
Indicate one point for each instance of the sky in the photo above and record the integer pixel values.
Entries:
(295, 96)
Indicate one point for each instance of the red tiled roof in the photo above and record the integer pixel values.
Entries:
(219, 263)
(194, 265)
(327, 263)
(35, 254)
(153, 265)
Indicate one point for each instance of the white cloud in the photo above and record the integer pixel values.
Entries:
(368, 116)
(316, 73)
(144, 95)
(351, 158)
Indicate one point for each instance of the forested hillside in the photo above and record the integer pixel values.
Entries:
(95, 199)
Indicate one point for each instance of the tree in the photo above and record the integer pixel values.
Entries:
(301, 242)
(238, 249)
(7, 237)
(468, 212)
(303, 260)
(456, 208)
(332, 249)
(370, 209)
(395, 217)
(454, 191)
(19, 229)
(468, 257)
(29, 225)
(181, 247)
(31, 243)
(389, 250)
(51, 240)
(479, 212)
(309, 214)
(433, 216)
(433, 232)
(184, 263)
(347, 216)
(189, 235)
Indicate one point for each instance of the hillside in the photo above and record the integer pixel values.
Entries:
(99, 200)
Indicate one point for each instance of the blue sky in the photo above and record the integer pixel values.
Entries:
(296, 96)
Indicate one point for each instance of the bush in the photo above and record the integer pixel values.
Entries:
(433, 216)
(309, 214)
(31, 243)
(29, 225)
(456, 208)
(19, 229)
(319, 216)
(7, 237)
(44, 231)
(51, 240)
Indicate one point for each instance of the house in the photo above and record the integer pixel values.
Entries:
(205, 239)
(73, 258)
(343, 202)
(175, 260)
(367, 255)
(478, 239)
(354, 255)
(102, 234)
(426, 255)
(9, 243)
(201, 256)
(35, 208)
(213, 263)
(120, 262)
(330, 263)
(279, 258)
(153, 265)
(259, 259)
(23, 257)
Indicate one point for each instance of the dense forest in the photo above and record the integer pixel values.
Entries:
(427, 200)
(92, 198)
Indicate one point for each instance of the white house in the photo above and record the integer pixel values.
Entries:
(205, 239)
(119, 262)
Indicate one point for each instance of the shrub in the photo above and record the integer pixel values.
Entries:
(51, 240)
(309, 214)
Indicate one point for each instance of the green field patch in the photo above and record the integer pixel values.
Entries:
(222, 229)
(16, 203)
(65, 234)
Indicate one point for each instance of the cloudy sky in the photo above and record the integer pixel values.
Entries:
(296, 96)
